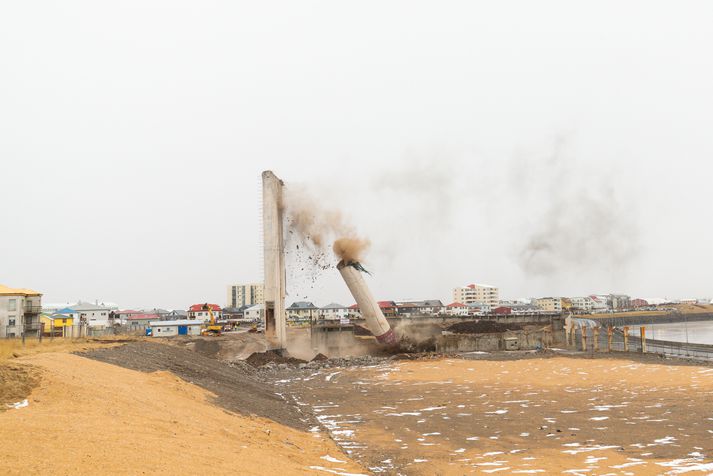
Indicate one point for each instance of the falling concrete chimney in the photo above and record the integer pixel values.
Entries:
(375, 320)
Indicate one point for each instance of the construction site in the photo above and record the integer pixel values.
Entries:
(515, 395)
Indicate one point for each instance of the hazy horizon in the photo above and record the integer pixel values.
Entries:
(549, 149)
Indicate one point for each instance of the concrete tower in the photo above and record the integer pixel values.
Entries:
(274, 260)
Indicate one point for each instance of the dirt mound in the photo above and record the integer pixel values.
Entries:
(319, 358)
(236, 388)
(259, 359)
(482, 327)
(16, 383)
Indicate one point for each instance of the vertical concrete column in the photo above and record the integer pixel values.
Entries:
(610, 335)
(273, 260)
(626, 338)
(642, 330)
(583, 330)
(595, 333)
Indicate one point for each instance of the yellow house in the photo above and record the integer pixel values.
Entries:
(57, 321)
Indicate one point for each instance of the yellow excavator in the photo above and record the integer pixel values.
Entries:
(211, 329)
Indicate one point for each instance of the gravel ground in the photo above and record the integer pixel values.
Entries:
(235, 384)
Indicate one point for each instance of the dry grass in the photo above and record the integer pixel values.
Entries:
(10, 348)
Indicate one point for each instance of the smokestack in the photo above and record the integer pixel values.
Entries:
(375, 320)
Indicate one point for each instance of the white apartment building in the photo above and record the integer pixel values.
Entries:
(19, 311)
(477, 293)
(549, 304)
(584, 303)
(333, 312)
(245, 295)
(93, 315)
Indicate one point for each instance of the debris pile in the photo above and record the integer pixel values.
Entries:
(260, 359)
(482, 327)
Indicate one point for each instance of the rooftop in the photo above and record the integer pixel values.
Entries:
(85, 306)
(199, 307)
(8, 291)
(302, 305)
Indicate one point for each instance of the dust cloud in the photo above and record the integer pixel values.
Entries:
(316, 227)
(580, 223)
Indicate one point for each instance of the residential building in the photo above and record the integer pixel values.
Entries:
(302, 311)
(419, 308)
(478, 309)
(354, 312)
(122, 316)
(334, 312)
(59, 324)
(176, 315)
(618, 301)
(456, 309)
(245, 295)
(19, 311)
(549, 304)
(389, 308)
(199, 313)
(254, 313)
(599, 303)
(520, 307)
(232, 314)
(477, 293)
(502, 310)
(92, 315)
(582, 303)
(638, 302)
(141, 321)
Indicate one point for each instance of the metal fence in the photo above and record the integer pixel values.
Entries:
(72, 332)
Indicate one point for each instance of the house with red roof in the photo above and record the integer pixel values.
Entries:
(389, 308)
(456, 309)
(141, 321)
(199, 313)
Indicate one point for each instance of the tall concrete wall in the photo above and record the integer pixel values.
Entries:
(274, 260)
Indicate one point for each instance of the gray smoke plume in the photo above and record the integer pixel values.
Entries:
(581, 224)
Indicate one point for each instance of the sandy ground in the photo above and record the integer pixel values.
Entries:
(89, 417)
(563, 415)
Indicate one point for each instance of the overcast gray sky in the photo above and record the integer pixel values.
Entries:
(545, 147)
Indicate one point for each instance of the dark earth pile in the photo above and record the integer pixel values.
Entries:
(258, 359)
(319, 358)
(236, 387)
(361, 331)
(408, 344)
(482, 327)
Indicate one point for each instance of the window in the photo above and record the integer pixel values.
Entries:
(103, 313)
(11, 322)
(12, 305)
